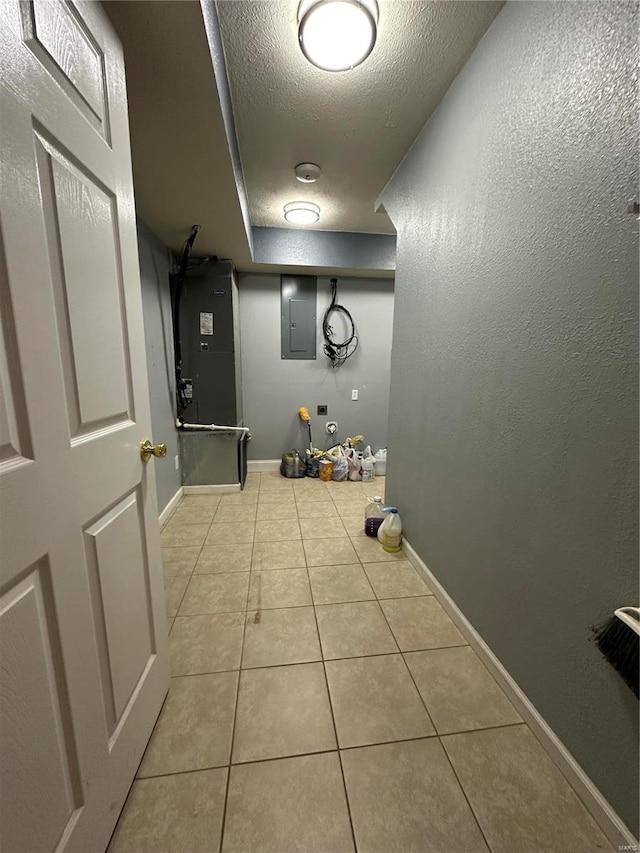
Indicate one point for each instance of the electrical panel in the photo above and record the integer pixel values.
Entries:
(298, 296)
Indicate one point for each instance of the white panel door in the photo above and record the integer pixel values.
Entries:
(83, 651)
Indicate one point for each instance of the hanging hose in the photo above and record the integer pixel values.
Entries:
(178, 280)
(336, 352)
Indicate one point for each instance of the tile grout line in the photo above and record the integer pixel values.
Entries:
(437, 734)
(464, 793)
(337, 749)
(182, 597)
(434, 736)
(155, 725)
(331, 660)
(230, 763)
(235, 708)
(408, 668)
(192, 572)
(333, 718)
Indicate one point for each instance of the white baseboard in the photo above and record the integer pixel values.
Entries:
(255, 466)
(168, 510)
(218, 489)
(602, 812)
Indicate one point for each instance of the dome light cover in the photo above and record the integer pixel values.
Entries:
(337, 35)
(301, 212)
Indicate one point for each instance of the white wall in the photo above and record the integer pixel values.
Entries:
(274, 389)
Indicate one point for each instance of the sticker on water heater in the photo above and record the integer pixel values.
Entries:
(206, 323)
(187, 388)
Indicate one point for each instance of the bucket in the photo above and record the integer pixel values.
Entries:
(292, 465)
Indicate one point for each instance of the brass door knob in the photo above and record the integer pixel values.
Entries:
(147, 450)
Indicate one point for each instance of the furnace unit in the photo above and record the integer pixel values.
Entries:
(211, 375)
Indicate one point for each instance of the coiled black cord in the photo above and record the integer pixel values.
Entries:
(336, 352)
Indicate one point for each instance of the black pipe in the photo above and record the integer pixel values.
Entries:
(177, 282)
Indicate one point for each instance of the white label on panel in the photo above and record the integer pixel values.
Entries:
(206, 323)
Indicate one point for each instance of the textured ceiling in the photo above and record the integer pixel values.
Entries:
(357, 125)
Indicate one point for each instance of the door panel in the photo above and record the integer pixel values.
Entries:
(84, 650)
(59, 38)
(38, 774)
(15, 436)
(81, 235)
(117, 561)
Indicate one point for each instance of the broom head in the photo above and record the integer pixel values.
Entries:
(619, 645)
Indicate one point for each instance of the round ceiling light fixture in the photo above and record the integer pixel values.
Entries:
(301, 212)
(337, 35)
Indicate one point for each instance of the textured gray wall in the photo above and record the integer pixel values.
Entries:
(337, 249)
(156, 306)
(274, 390)
(513, 428)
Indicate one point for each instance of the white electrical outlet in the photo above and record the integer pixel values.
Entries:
(331, 427)
(177, 463)
(354, 394)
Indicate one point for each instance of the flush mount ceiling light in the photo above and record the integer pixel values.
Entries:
(337, 35)
(301, 212)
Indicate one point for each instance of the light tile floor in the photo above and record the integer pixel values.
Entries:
(322, 700)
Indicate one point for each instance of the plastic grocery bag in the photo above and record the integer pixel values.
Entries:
(340, 465)
(354, 461)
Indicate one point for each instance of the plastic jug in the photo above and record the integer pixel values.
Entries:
(368, 466)
(373, 516)
(390, 531)
(381, 462)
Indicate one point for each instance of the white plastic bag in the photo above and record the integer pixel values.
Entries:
(340, 466)
(354, 461)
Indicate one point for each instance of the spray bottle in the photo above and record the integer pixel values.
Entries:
(390, 531)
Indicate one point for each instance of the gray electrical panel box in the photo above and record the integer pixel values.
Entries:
(298, 296)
